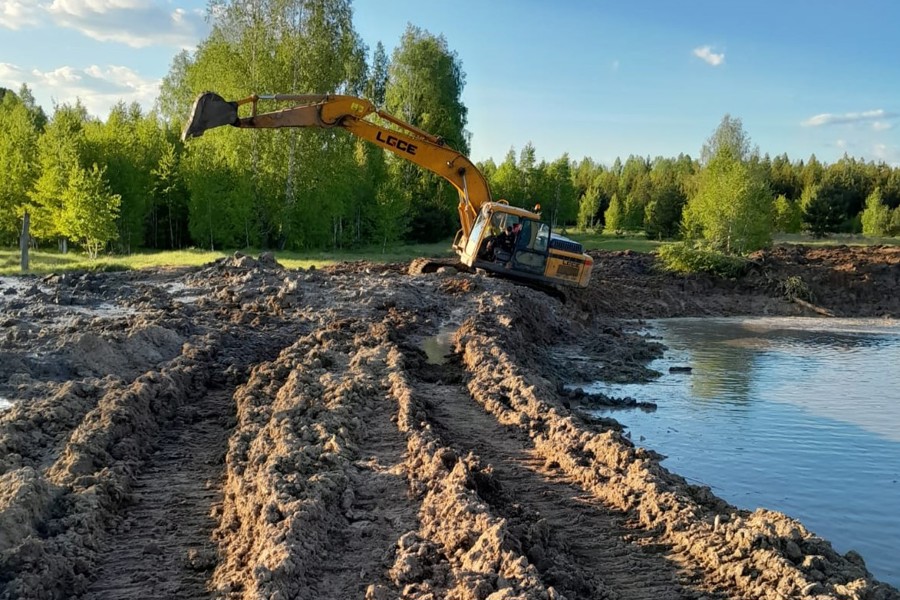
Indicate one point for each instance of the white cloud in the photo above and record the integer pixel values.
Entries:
(881, 126)
(136, 23)
(15, 14)
(99, 88)
(886, 153)
(877, 115)
(706, 54)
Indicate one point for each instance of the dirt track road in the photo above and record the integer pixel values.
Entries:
(242, 431)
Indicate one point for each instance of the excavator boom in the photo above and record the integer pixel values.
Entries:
(347, 112)
(493, 236)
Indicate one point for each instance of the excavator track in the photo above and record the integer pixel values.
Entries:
(420, 266)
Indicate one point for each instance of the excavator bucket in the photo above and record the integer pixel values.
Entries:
(210, 110)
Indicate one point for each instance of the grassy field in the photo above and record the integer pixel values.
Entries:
(43, 262)
(602, 241)
(53, 262)
(836, 239)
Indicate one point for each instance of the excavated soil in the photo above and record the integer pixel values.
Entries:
(242, 431)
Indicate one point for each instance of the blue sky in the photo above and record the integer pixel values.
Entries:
(592, 78)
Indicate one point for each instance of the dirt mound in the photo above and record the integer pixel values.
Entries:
(244, 431)
(844, 281)
(848, 280)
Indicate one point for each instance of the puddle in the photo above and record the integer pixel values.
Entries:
(19, 285)
(438, 347)
(181, 292)
(104, 309)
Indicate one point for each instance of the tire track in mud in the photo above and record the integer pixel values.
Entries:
(591, 536)
(164, 548)
(378, 511)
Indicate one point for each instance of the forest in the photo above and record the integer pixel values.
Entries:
(128, 183)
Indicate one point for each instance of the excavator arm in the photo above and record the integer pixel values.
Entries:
(349, 113)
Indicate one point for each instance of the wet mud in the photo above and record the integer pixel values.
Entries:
(243, 431)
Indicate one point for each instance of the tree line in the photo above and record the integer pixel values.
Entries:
(128, 182)
(665, 197)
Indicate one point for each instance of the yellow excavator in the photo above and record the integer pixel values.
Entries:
(494, 236)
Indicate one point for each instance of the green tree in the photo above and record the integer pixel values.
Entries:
(18, 162)
(506, 181)
(60, 151)
(167, 223)
(819, 215)
(729, 140)
(584, 174)
(636, 202)
(876, 218)
(895, 221)
(662, 217)
(392, 215)
(731, 210)
(589, 207)
(279, 185)
(614, 216)
(788, 215)
(175, 94)
(559, 194)
(635, 169)
(811, 173)
(89, 210)
(128, 146)
(663, 214)
(784, 179)
(376, 86)
(424, 89)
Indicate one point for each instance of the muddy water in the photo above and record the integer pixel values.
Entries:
(796, 415)
(438, 347)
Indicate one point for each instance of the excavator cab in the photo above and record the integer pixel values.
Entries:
(516, 243)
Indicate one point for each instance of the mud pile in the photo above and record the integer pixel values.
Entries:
(244, 431)
(845, 281)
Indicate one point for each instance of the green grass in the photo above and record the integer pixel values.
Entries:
(42, 262)
(603, 241)
(639, 243)
(835, 239)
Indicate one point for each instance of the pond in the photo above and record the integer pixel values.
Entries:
(796, 415)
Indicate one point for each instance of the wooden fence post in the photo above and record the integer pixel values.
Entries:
(25, 241)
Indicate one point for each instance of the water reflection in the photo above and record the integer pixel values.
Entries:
(797, 415)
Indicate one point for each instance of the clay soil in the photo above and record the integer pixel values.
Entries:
(242, 431)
